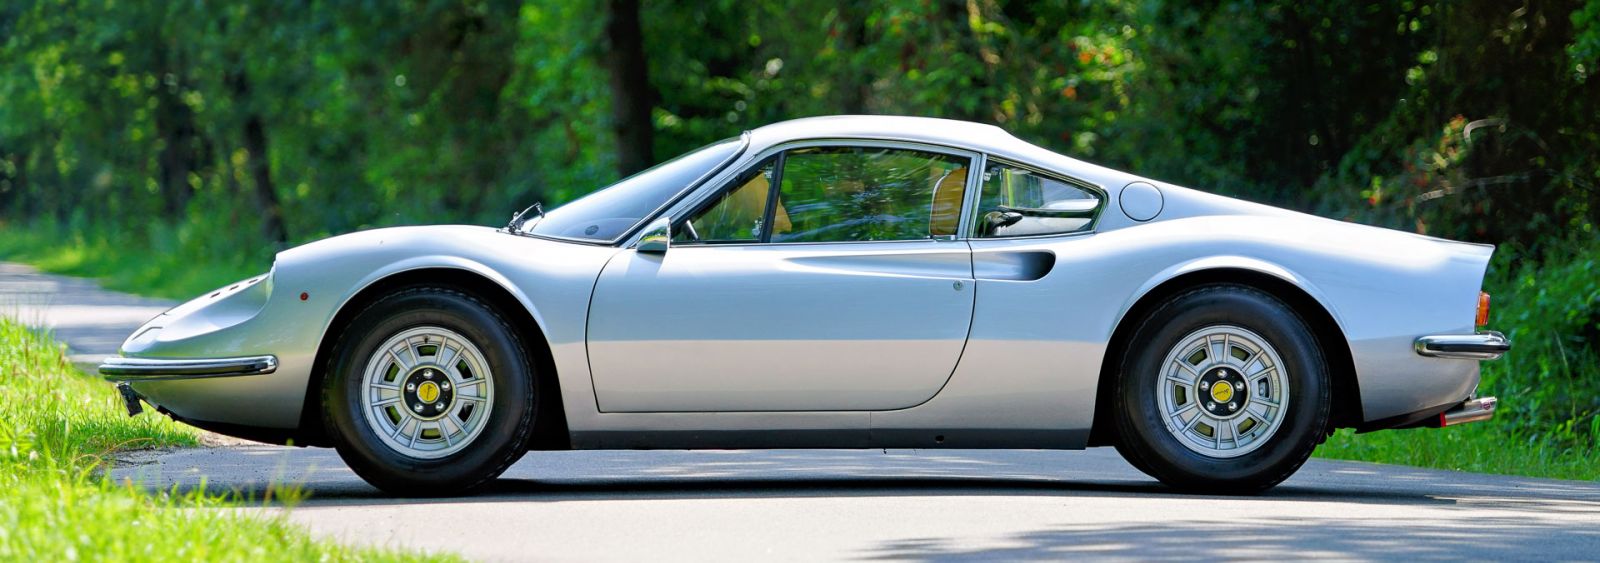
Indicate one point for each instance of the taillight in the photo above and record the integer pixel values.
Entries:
(1483, 308)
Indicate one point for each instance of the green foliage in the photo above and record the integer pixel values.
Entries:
(159, 259)
(1585, 48)
(55, 505)
(1494, 142)
(1551, 311)
(170, 147)
(335, 117)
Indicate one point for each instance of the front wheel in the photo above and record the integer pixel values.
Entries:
(1224, 390)
(429, 392)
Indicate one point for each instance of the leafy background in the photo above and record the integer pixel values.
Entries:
(169, 147)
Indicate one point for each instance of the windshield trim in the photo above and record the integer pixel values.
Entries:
(744, 144)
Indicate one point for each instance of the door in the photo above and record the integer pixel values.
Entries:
(820, 279)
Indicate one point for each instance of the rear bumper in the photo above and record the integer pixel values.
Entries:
(1487, 345)
(156, 369)
(1476, 409)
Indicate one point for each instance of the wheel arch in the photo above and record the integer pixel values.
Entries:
(550, 427)
(1275, 281)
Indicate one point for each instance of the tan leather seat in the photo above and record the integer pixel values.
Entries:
(741, 209)
(945, 216)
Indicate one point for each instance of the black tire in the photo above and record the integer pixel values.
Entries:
(1144, 439)
(508, 427)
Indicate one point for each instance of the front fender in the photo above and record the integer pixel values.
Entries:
(433, 262)
(310, 284)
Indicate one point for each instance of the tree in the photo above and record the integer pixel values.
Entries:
(631, 96)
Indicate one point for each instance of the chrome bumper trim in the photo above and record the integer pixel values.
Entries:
(1487, 345)
(152, 369)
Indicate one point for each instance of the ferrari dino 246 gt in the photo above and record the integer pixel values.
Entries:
(839, 282)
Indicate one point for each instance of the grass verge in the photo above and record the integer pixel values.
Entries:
(1485, 447)
(61, 426)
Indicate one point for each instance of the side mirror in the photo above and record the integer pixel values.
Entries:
(994, 220)
(657, 236)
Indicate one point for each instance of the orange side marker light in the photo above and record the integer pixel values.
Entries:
(1483, 308)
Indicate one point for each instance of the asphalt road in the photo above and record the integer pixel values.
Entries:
(831, 504)
(92, 321)
(924, 505)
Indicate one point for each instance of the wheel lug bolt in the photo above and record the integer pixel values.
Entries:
(1210, 405)
(1205, 385)
(445, 386)
(427, 374)
(438, 406)
(1239, 386)
(1233, 406)
(411, 387)
(417, 407)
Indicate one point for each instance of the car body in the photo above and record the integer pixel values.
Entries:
(951, 340)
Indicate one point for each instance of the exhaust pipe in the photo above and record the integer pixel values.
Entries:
(1471, 410)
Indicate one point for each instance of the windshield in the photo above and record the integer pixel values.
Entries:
(607, 214)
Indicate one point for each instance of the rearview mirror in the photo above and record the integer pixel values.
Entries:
(657, 236)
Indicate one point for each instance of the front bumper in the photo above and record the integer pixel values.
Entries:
(158, 369)
(1487, 345)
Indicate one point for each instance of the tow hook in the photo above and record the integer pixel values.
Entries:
(130, 399)
(1471, 410)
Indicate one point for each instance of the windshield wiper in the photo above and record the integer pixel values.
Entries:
(515, 226)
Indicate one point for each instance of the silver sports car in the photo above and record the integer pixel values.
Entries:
(839, 282)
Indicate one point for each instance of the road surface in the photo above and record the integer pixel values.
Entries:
(92, 321)
(829, 504)
(922, 505)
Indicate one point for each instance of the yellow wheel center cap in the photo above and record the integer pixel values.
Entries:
(1222, 392)
(429, 392)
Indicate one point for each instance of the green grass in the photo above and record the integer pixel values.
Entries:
(1486, 447)
(55, 505)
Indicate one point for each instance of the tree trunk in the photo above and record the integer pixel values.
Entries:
(178, 158)
(958, 16)
(259, 166)
(855, 79)
(14, 186)
(631, 97)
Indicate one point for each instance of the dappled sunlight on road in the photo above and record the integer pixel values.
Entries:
(91, 320)
(908, 504)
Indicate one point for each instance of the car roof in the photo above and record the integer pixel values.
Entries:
(951, 132)
(977, 137)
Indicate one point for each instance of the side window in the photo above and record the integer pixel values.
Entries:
(833, 194)
(1017, 202)
(736, 215)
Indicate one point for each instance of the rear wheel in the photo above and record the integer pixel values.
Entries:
(1223, 391)
(429, 392)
